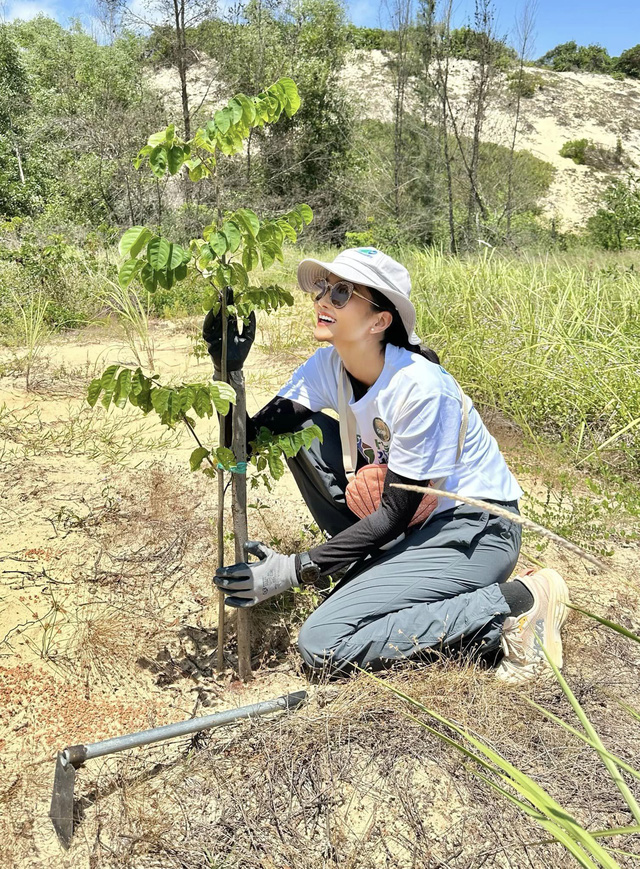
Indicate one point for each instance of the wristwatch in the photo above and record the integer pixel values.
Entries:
(309, 571)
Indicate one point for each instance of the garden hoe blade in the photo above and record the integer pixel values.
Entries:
(72, 757)
(61, 811)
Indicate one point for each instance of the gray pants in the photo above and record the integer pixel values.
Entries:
(438, 587)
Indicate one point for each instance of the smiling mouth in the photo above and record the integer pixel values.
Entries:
(323, 318)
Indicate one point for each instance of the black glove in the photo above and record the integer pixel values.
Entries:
(238, 346)
(249, 583)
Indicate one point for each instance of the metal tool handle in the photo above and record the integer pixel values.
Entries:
(76, 754)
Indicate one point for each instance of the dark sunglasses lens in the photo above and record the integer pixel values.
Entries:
(341, 293)
(321, 286)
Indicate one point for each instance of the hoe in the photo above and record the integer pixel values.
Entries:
(73, 757)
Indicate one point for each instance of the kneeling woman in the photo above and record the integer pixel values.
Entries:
(411, 585)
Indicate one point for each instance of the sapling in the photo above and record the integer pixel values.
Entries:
(222, 259)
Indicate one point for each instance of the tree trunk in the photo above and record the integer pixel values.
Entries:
(239, 512)
(181, 62)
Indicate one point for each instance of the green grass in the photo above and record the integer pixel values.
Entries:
(554, 344)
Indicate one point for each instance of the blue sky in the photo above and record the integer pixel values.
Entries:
(614, 24)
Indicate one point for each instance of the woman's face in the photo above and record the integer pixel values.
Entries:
(357, 321)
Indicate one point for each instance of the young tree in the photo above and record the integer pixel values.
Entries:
(524, 33)
(222, 258)
(14, 101)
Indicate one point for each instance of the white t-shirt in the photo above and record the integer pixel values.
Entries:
(410, 419)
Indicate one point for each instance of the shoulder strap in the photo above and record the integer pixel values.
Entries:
(348, 435)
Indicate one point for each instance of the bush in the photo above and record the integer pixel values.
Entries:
(526, 84)
(575, 149)
(616, 226)
(629, 62)
(569, 56)
(587, 153)
(470, 44)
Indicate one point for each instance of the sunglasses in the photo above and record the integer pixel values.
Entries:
(339, 293)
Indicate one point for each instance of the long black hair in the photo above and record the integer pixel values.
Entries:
(396, 333)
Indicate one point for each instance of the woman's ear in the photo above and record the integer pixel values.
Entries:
(383, 321)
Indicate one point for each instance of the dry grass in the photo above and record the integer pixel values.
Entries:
(355, 782)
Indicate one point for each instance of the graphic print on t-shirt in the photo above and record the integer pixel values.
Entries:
(380, 453)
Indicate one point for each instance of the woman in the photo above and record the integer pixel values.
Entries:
(408, 589)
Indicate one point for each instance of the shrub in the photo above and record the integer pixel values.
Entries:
(587, 153)
(569, 56)
(629, 62)
(525, 84)
(575, 149)
(616, 226)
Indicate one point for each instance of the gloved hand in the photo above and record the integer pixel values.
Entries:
(238, 346)
(249, 583)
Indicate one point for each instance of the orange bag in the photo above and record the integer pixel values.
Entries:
(364, 492)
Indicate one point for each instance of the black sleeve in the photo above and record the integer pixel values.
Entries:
(279, 416)
(397, 509)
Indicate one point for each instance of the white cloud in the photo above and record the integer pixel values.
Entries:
(25, 10)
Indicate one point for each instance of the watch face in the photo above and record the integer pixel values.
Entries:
(309, 572)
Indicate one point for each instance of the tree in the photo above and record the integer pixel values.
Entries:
(629, 62)
(524, 33)
(616, 226)
(14, 102)
(222, 259)
(569, 56)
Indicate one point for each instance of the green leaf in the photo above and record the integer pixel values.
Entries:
(232, 234)
(158, 252)
(160, 399)
(108, 382)
(276, 465)
(156, 139)
(310, 433)
(266, 256)
(133, 241)
(149, 278)
(175, 159)
(306, 213)
(248, 108)
(128, 272)
(250, 258)
(218, 244)
(225, 457)
(291, 93)
(158, 161)
(248, 219)
(222, 395)
(287, 230)
(123, 388)
(181, 272)
(197, 457)
(95, 388)
(202, 404)
(223, 120)
(176, 256)
(236, 110)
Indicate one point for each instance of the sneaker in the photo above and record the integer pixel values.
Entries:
(522, 635)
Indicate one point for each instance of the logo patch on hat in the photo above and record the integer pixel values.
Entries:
(368, 251)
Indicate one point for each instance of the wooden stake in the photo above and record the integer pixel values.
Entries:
(221, 420)
(239, 512)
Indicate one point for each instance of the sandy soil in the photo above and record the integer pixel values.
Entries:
(107, 615)
(565, 106)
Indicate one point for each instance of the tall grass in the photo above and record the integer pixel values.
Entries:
(32, 331)
(513, 784)
(554, 344)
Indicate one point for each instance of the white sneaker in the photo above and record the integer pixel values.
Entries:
(523, 635)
